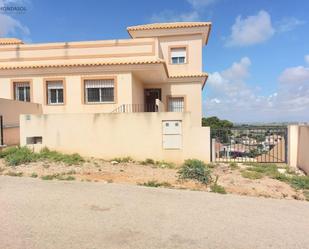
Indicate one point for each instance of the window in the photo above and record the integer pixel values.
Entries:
(99, 91)
(54, 92)
(22, 91)
(178, 55)
(176, 104)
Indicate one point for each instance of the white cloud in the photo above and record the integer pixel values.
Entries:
(194, 14)
(238, 70)
(288, 24)
(196, 4)
(251, 30)
(230, 96)
(10, 25)
(171, 16)
(295, 75)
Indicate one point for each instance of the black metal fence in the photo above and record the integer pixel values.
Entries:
(267, 144)
(1, 131)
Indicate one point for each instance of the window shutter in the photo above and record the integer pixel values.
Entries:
(178, 52)
(99, 83)
(54, 85)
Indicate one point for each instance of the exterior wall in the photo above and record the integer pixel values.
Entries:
(73, 52)
(10, 110)
(298, 147)
(194, 45)
(138, 135)
(74, 96)
(192, 93)
(131, 81)
(137, 91)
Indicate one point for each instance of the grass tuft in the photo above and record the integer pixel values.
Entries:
(251, 175)
(60, 177)
(216, 188)
(122, 159)
(34, 175)
(19, 155)
(156, 184)
(196, 170)
(233, 166)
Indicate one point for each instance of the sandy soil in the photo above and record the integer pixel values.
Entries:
(97, 170)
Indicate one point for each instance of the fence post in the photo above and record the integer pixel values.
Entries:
(292, 142)
(213, 149)
(1, 130)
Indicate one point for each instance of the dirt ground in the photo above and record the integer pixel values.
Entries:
(96, 170)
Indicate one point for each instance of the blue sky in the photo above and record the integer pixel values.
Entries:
(257, 56)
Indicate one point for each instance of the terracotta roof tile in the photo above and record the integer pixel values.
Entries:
(81, 64)
(10, 41)
(189, 75)
(170, 25)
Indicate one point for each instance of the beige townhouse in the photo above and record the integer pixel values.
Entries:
(139, 97)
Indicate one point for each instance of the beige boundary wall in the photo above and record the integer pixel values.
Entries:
(10, 110)
(299, 147)
(138, 135)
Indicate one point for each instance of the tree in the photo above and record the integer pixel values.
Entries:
(216, 123)
(219, 128)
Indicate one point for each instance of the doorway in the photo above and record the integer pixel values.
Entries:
(150, 99)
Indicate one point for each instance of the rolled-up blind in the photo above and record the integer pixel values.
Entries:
(104, 83)
(54, 84)
(178, 52)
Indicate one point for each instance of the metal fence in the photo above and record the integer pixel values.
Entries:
(250, 144)
(1, 131)
(136, 108)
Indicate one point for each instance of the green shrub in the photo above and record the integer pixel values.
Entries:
(156, 184)
(253, 175)
(234, 166)
(48, 177)
(56, 156)
(196, 170)
(61, 177)
(216, 188)
(264, 168)
(34, 175)
(149, 161)
(65, 178)
(281, 177)
(19, 155)
(299, 182)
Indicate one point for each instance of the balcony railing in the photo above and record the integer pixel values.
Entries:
(157, 107)
(136, 108)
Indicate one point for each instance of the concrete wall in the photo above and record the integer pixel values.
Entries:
(138, 135)
(10, 110)
(298, 147)
(303, 148)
